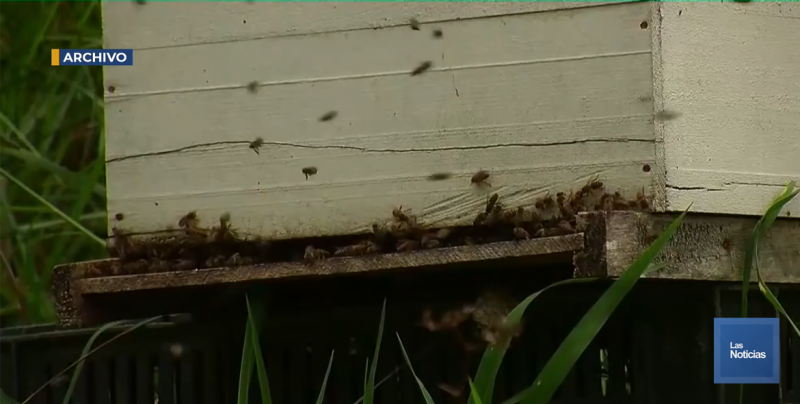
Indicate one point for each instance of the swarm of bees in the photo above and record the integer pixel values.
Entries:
(196, 247)
(475, 325)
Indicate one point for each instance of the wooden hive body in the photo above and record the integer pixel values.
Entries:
(544, 96)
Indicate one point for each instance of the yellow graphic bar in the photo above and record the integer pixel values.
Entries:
(54, 57)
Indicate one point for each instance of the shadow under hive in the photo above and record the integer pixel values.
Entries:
(655, 349)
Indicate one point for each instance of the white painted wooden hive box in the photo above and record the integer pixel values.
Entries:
(544, 96)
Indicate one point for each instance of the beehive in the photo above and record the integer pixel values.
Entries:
(543, 96)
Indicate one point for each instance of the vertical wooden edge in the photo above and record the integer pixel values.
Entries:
(659, 190)
(591, 262)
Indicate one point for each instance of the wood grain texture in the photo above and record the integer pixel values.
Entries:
(74, 307)
(162, 24)
(732, 71)
(541, 116)
(704, 248)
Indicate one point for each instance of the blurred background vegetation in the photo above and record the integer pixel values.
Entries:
(51, 122)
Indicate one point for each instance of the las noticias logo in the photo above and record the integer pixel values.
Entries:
(92, 57)
(747, 350)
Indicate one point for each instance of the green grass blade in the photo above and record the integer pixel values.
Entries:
(369, 388)
(321, 396)
(474, 392)
(255, 321)
(5, 399)
(79, 361)
(88, 347)
(570, 350)
(767, 220)
(54, 209)
(493, 356)
(425, 394)
(246, 368)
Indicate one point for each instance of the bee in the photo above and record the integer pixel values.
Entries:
(222, 232)
(521, 234)
(431, 243)
(548, 201)
(539, 203)
(135, 267)
(122, 244)
(414, 23)
(437, 33)
(158, 265)
(237, 260)
(493, 218)
(480, 219)
(355, 249)
(215, 261)
(313, 254)
(184, 264)
(489, 313)
(576, 200)
(480, 178)
(422, 68)
(565, 226)
(587, 189)
(490, 203)
(607, 202)
(443, 234)
(119, 216)
(596, 184)
(439, 176)
(666, 115)
(642, 200)
(399, 214)
(407, 245)
(309, 171)
(380, 232)
(256, 144)
(328, 116)
(566, 211)
(252, 87)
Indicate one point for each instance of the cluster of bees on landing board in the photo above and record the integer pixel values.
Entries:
(196, 247)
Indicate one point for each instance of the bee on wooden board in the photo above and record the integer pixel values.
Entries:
(308, 171)
(313, 254)
(328, 116)
(256, 144)
(438, 34)
(521, 234)
(490, 203)
(642, 199)
(414, 24)
(407, 245)
(422, 68)
(252, 87)
(480, 178)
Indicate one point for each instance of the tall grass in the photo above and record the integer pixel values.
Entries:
(52, 171)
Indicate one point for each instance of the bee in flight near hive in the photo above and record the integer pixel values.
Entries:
(256, 144)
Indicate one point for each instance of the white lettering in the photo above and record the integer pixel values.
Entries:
(121, 57)
(87, 57)
(68, 57)
(77, 58)
(748, 354)
(739, 346)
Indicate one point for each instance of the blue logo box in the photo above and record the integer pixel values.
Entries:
(91, 57)
(747, 351)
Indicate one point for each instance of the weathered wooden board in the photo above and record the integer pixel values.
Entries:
(732, 71)
(73, 293)
(502, 95)
(705, 247)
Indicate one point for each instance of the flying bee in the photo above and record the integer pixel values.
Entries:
(439, 176)
(437, 33)
(252, 87)
(422, 68)
(521, 234)
(490, 203)
(328, 116)
(666, 115)
(480, 178)
(414, 24)
(256, 144)
(313, 254)
(309, 171)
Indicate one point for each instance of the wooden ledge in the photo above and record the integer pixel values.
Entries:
(705, 247)
(74, 295)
